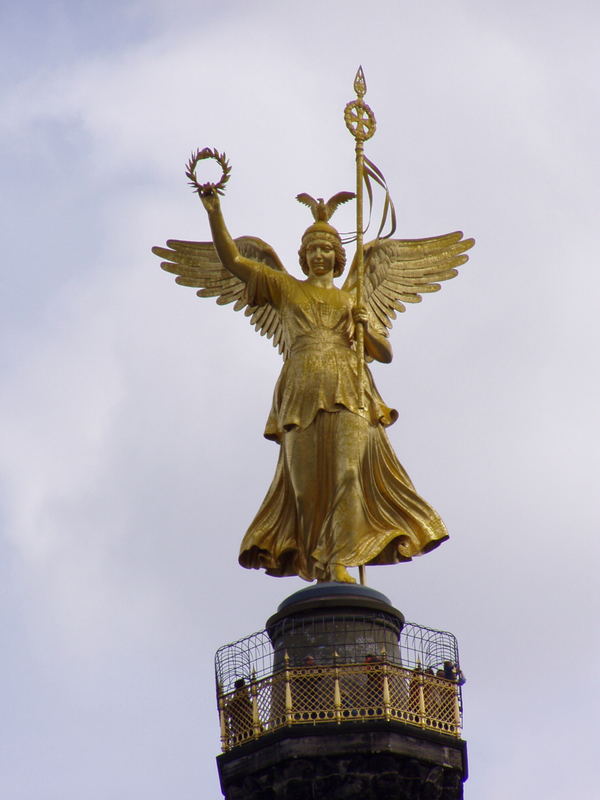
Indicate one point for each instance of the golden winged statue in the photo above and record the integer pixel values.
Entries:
(339, 498)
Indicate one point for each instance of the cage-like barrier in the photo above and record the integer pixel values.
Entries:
(416, 681)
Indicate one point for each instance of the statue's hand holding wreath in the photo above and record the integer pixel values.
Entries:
(208, 192)
(210, 199)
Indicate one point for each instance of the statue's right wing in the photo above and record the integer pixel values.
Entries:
(197, 264)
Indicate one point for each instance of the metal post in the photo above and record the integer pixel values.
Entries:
(457, 709)
(288, 690)
(421, 680)
(222, 719)
(386, 691)
(255, 717)
(337, 694)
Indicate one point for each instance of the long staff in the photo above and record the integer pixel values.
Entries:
(360, 121)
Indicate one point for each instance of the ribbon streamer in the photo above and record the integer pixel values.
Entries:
(371, 172)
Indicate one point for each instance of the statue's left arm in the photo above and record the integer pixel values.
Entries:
(376, 345)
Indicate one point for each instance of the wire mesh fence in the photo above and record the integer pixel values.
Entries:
(338, 668)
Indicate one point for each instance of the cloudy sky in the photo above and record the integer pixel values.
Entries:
(131, 455)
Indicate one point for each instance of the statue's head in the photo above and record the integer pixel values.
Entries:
(322, 211)
(322, 230)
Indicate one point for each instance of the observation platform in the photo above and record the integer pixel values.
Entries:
(338, 654)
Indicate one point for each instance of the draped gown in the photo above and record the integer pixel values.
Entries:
(339, 495)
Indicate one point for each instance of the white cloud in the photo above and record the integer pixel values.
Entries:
(132, 412)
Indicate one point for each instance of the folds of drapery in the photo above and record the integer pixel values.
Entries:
(339, 496)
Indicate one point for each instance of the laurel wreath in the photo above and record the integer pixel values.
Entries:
(207, 188)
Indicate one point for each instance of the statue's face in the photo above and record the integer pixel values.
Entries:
(320, 255)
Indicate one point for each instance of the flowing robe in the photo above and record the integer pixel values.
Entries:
(339, 494)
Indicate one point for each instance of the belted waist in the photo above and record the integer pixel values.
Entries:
(318, 339)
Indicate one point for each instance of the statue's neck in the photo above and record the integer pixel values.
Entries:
(322, 281)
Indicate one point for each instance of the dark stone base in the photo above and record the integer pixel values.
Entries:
(378, 761)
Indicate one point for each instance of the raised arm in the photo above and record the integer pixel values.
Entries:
(230, 256)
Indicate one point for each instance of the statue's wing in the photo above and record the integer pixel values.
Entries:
(399, 271)
(197, 264)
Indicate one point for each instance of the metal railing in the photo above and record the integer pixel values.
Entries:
(335, 693)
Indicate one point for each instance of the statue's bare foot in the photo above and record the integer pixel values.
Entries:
(340, 574)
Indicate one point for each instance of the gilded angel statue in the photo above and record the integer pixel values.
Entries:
(339, 497)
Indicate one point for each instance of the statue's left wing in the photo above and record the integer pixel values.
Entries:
(399, 271)
(197, 264)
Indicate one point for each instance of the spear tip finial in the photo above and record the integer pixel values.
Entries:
(360, 84)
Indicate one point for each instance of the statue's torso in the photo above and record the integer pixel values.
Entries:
(320, 372)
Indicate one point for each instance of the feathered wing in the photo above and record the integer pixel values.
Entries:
(399, 271)
(197, 264)
(321, 210)
(337, 200)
